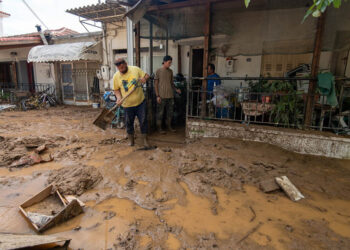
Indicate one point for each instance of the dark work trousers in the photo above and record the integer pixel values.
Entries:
(131, 113)
(168, 104)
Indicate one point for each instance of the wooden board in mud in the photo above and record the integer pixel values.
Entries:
(69, 209)
(17, 241)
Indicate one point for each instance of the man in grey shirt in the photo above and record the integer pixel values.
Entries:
(164, 88)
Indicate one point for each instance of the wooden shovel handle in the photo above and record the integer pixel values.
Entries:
(123, 99)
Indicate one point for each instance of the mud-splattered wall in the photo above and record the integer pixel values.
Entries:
(304, 142)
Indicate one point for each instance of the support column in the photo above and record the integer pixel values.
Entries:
(14, 74)
(130, 41)
(138, 44)
(206, 56)
(179, 59)
(150, 48)
(167, 43)
(314, 70)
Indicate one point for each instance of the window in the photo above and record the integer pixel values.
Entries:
(66, 73)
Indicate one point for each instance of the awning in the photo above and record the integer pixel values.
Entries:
(103, 12)
(65, 52)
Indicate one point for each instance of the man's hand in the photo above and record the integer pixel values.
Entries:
(178, 91)
(119, 102)
(143, 80)
(159, 100)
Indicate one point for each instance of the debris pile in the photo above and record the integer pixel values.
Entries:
(74, 180)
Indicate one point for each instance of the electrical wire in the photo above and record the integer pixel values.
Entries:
(35, 14)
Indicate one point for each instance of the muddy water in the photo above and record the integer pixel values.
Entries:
(198, 195)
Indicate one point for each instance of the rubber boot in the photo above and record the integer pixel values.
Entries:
(131, 140)
(169, 126)
(145, 141)
(159, 127)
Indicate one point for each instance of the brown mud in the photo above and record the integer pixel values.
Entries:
(202, 194)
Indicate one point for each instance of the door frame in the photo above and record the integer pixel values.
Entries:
(63, 84)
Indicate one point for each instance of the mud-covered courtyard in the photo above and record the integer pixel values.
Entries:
(186, 194)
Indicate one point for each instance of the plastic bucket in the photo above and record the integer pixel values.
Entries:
(96, 105)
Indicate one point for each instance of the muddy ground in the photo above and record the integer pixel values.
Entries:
(194, 194)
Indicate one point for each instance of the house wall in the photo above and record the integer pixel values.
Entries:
(22, 54)
(44, 73)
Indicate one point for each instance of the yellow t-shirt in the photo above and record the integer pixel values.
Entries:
(126, 82)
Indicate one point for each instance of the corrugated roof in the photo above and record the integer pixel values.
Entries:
(104, 12)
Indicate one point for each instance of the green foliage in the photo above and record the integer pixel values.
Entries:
(317, 8)
(288, 102)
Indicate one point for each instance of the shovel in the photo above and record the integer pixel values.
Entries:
(107, 115)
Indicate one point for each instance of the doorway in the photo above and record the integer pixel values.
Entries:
(197, 66)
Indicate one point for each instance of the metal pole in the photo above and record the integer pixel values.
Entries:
(150, 48)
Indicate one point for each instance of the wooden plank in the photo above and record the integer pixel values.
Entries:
(288, 187)
(73, 209)
(15, 241)
(314, 69)
(38, 197)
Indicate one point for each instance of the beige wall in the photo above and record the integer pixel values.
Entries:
(22, 54)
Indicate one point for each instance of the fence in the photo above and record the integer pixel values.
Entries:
(271, 101)
(12, 94)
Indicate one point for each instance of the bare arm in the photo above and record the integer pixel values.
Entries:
(144, 79)
(156, 85)
(118, 95)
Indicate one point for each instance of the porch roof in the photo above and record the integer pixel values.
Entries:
(64, 52)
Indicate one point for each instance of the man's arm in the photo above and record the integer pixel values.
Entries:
(119, 96)
(144, 79)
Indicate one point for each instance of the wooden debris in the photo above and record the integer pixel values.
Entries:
(288, 187)
(253, 230)
(269, 185)
(71, 208)
(254, 214)
(15, 241)
(40, 149)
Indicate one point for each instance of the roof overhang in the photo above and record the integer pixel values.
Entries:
(64, 52)
(105, 12)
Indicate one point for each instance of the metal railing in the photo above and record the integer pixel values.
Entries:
(273, 101)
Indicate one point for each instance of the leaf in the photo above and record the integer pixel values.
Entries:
(336, 3)
(246, 2)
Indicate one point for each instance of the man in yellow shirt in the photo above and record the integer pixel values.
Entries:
(124, 81)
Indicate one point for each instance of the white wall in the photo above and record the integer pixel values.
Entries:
(244, 66)
(44, 73)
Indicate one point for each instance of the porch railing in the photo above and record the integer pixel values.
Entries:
(256, 102)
